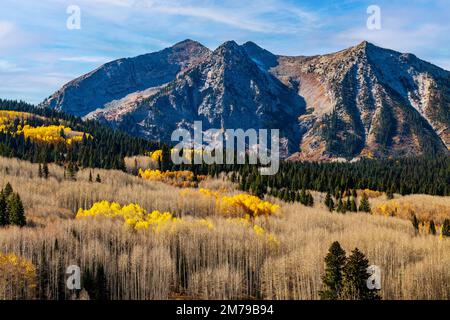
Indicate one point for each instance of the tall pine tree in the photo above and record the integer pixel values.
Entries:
(332, 280)
(354, 278)
(15, 210)
(446, 228)
(329, 202)
(364, 205)
(4, 217)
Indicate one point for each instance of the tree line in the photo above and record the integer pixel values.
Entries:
(414, 175)
(411, 175)
(107, 149)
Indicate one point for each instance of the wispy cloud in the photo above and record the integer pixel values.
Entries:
(86, 59)
(7, 66)
(39, 54)
(256, 16)
(396, 36)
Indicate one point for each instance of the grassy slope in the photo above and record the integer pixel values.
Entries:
(227, 262)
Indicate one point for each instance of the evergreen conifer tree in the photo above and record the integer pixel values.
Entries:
(71, 171)
(364, 205)
(101, 287)
(8, 190)
(432, 228)
(4, 218)
(353, 207)
(415, 222)
(340, 206)
(329, 202)
(303, 199)
(446, 228)
(348, 204)
(310, 200)
(332, 280)
(16, 212)
(354, 278)
(45, 171)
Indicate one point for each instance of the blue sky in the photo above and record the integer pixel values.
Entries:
(38, 53)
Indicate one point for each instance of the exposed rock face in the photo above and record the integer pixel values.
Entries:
(369, 101)
(119, 78)
(363, 101)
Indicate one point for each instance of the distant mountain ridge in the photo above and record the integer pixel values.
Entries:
(364, 101)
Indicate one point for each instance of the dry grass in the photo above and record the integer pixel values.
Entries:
(140, 162)
(425, 207)
(226, 262)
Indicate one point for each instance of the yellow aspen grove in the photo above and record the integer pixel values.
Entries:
(46, 134)
(182, 179)
(17, 277)
(156, 241)
(132, 215)
(156, 155)
(240, 205)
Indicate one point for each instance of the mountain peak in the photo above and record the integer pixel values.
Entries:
(364, 43)
(363, 46)
(261, 56)
(228, 45)
(231, 51)
(252, 45)
(385, 103)
(188, 43)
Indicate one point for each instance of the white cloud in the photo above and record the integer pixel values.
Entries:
(11, 36)
(255, 17)
(7, 66)
(86, 59)
(396, 37)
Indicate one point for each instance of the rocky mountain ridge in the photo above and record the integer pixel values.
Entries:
(364, 101)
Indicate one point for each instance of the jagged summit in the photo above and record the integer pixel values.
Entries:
(229, 45)
(188, 44)
(262, 57)
(228, 49)
(361, 101)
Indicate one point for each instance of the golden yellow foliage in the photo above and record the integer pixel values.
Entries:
(132, 215)
(425, 208)
(46, 134)
(246, 205)
(416, 267)
(209, 193)
(207, 223)
(372, 193)
(256, 229)
(11, 115)
(242, 210)
(183, 179)
(241, 205)
(137, 218)
(51, 134)
(7, 119)
(156, 155)
(17, 275)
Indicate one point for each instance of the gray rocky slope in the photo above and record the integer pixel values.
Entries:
(362, 101)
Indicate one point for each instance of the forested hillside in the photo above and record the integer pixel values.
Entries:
(48, 136)
(99, 146)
